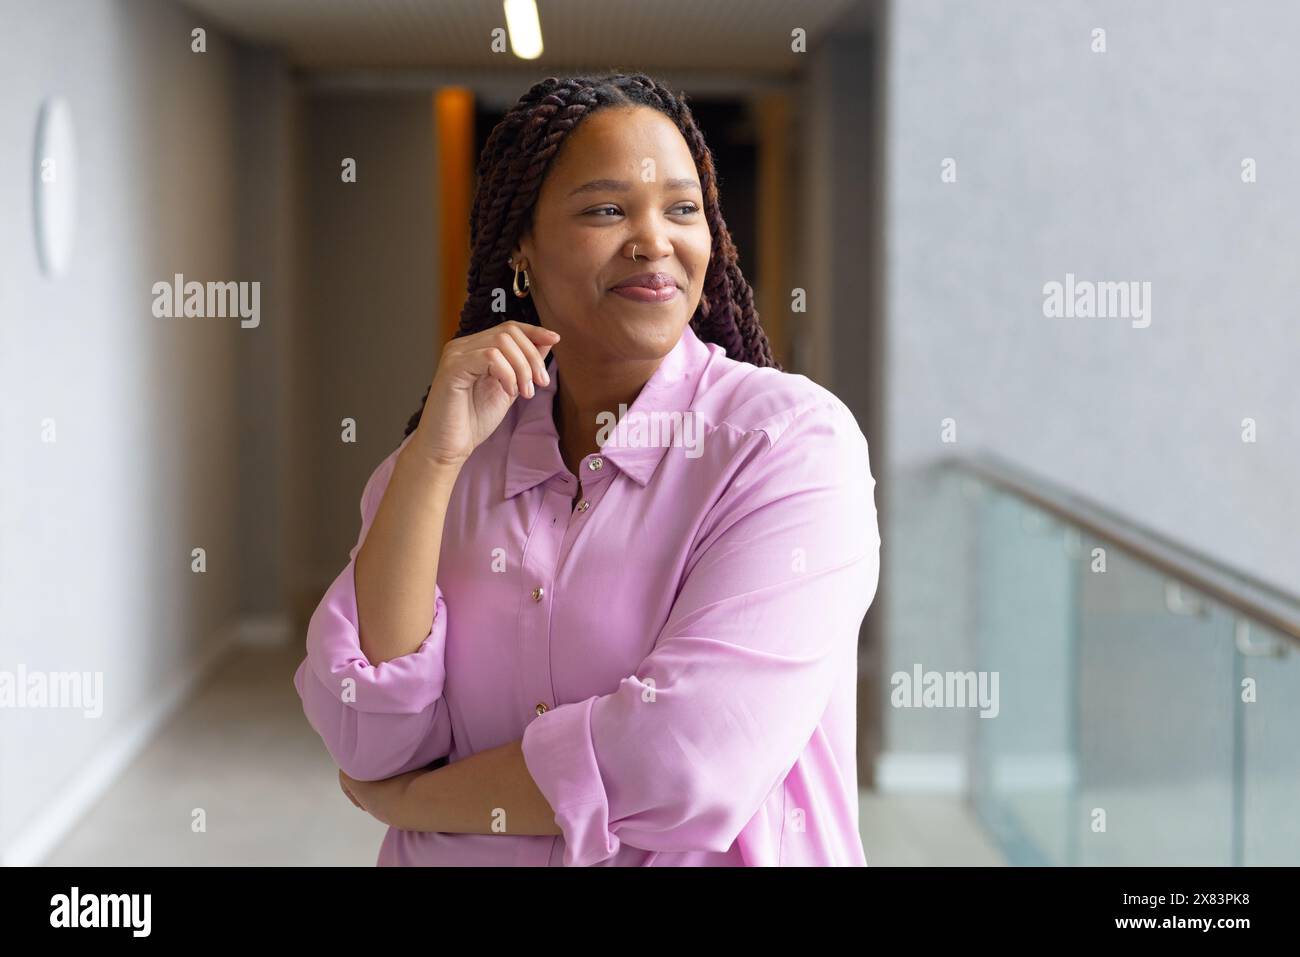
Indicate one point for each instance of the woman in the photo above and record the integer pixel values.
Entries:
(626, 647)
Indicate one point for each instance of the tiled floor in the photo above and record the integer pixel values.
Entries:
(243, 754)
(922, 830)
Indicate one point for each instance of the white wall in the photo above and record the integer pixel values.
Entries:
(1124, 166)
(96, 528)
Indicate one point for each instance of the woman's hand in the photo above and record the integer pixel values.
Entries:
(384, 800)
(478, 377)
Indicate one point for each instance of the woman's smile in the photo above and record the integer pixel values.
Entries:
(646, 294)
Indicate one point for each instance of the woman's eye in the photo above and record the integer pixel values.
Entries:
(686, 209)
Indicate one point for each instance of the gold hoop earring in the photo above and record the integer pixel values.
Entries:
(528, 285)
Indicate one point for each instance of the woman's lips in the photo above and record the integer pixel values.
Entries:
(642, 294)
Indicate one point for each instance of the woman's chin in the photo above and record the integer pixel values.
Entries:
(645, 333)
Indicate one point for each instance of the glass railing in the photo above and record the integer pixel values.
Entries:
(1148, 697)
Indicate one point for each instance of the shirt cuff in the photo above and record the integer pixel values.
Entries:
(408, 684)
(561, 758)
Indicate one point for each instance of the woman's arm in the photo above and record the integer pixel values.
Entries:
(398, 561)
(490, 792)
(478, 378)
(372, 685)
(376, 720)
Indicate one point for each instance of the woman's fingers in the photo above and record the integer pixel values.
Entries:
(539, 335)
(514, 353)
(492, 362)
(534, 352)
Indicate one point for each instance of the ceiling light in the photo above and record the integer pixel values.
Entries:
(524, 28)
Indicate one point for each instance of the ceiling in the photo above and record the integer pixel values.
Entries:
(698, 37)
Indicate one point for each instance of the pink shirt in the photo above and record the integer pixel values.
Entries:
(678, 652)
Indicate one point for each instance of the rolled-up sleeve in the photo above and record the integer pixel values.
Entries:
(380, 720)
(683, 754)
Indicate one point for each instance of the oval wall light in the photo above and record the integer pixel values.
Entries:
(54, 186)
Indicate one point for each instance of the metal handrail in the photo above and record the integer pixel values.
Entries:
(1239, 591)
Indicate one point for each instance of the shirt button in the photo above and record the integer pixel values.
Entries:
(541, 707)
(583, 505)
(537, 593)
(595, 465)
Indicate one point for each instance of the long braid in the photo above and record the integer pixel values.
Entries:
(514, 162)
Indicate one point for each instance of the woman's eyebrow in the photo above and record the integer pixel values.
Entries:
(622, 185)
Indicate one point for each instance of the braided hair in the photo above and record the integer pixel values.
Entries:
(514, 162)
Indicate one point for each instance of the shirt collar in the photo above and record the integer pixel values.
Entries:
(533, 453)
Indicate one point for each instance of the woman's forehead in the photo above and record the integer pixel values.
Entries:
(621, 148)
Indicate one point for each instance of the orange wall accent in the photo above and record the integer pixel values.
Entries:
(453, 119)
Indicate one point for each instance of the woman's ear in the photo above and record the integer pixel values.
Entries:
(516, 253)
